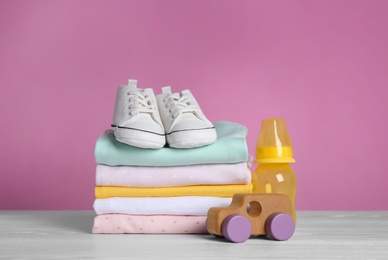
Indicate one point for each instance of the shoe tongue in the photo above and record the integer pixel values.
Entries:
(130, 88)
(134, 89)
(166, 90)
(185, 92)
(132, 83)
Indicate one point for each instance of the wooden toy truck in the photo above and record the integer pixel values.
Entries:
(252, 214)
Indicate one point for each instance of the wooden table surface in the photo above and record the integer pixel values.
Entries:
(67, 235)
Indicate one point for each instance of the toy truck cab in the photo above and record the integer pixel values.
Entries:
(252, 214)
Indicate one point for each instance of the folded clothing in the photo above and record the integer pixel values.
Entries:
(186, 205)
(102, 192)
(155, 224)
(135, 176)
(230, 147)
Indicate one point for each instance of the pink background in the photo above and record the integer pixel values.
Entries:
(321, 65)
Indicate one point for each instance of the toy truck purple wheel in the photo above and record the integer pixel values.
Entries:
(280, 226)
(236, 228)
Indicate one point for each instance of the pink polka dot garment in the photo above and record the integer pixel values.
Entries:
(153, 224)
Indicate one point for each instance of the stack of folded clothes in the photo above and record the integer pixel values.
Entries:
(167, 190)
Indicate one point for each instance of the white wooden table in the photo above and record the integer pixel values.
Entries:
(67, 235)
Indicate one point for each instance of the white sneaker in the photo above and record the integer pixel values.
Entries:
(184, 123)
(136, 119)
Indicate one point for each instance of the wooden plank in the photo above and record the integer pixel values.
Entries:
(67, 235)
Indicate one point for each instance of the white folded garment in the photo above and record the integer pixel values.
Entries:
(186, 205)
(207, 174)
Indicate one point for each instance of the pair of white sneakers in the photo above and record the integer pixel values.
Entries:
(140, 119)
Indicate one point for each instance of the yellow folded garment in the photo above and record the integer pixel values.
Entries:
(205, 190)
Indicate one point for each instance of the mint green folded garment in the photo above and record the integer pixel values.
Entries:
(230, 147)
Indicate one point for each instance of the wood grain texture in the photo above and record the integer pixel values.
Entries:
(262, 205)
(67, 235)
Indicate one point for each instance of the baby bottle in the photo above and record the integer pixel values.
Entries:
(273, 156)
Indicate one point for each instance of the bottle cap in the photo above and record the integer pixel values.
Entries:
(274, 144)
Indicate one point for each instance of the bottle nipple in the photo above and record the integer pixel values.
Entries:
(274, 144)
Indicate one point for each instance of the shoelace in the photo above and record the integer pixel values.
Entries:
(178, 104)
(139, 103)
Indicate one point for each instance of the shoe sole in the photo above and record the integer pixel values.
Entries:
(192, 138)
(139, 138)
